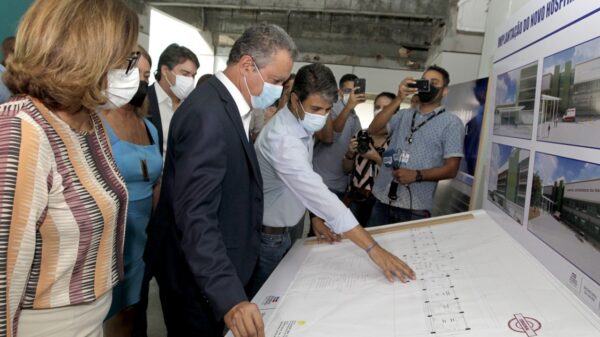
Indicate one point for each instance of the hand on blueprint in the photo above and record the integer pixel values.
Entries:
(245, 320)
(391, 265)
(322, 232)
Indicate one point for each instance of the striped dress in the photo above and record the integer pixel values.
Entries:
(63, 206)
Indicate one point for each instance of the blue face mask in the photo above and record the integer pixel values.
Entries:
(269, 95)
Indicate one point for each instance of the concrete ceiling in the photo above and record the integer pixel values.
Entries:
(396, 34)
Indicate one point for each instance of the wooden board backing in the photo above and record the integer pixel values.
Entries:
(401, 227)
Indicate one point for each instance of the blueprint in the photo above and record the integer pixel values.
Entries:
(472, 280)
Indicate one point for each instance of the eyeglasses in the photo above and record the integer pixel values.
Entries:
(132, 62)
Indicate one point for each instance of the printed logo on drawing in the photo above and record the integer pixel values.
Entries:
(526, 325)
(573, 280)
(270, 300)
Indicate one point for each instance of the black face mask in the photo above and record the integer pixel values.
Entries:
(140, 95)
(428, 97)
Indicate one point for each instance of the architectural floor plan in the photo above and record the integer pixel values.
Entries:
(473, 279)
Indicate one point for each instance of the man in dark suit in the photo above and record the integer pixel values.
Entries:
(177, 67)
(204, 241)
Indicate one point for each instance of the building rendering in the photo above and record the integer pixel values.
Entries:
(577, 205)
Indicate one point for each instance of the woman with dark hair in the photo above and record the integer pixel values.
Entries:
(63, 202)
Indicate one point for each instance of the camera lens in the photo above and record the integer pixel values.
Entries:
(364, 140)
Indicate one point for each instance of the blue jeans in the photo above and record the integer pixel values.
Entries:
(383, 214)
(272, 249)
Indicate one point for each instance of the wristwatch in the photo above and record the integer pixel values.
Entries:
(419, 177)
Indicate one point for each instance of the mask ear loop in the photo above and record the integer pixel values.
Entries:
(259, 74)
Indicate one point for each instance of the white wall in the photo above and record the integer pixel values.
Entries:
(472, 15)
(165, 29)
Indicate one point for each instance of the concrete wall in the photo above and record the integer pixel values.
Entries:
(459, 51)
(463, 67)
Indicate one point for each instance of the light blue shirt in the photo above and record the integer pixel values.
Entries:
(5, 94)
(290, 185)
(328, 157)
(439, 139)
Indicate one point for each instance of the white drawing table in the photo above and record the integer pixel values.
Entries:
(473, 279)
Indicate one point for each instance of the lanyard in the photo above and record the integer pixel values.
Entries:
(414, 129)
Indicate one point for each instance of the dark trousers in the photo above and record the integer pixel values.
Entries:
(362, 209)
(140, 322)
(185, 309)
(383, 214)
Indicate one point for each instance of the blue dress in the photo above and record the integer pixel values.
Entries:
(140, 166)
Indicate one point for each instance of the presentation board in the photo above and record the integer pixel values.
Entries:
(543, 182)
(473, 279)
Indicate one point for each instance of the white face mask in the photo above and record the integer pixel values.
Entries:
(183, 86)
(345, 98)
(376, 112)
(121, 87)
(312, 122)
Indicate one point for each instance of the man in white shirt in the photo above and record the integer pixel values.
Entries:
(177, 67)
(290, 185)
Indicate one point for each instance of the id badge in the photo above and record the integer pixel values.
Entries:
(404, 157)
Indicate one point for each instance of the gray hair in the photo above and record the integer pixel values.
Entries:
(315, 78)
(261, 42)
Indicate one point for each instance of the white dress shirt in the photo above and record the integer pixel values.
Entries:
(241, 103)
(290, 185)
(165, 106)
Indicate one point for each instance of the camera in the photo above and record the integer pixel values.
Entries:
(421, 85)
(364, 142)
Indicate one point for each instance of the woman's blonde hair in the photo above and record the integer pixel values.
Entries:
(65, 48)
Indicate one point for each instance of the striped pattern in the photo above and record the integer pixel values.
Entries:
(63, 206)
(365, 170)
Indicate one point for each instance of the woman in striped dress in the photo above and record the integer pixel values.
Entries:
(63, 203)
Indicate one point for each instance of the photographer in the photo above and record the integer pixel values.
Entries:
(426, 146)
(363, 160)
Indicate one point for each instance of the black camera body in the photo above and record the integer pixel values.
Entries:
(421, 85)
(364, 142)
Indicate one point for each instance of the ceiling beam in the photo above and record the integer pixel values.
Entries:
(410, 9)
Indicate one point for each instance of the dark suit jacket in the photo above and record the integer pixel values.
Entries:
(154, 113)
(211, 203)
